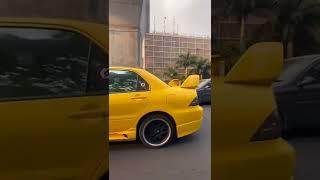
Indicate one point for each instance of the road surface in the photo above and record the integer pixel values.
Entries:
(187, 159)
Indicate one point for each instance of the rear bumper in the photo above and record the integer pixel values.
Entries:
(261, 160)
(188, 121)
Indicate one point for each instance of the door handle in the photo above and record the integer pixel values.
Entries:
(139, 97)
(89, 107)
(88, 115)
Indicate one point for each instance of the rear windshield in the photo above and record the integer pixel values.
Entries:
(293, 68)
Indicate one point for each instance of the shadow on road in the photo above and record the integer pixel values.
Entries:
(127, 145)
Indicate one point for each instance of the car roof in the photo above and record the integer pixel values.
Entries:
(306, 59)
(125, 68)
(295, 66)
(98, 32)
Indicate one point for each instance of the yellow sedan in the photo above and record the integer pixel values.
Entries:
(53, 99)
(247, 141)
(142, 107)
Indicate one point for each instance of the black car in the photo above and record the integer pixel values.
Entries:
(204, 91)
(297, 93)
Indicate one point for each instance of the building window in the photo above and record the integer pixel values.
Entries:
(167, 43)
(149, 48)
(191, 45)
(158, 48)
(167, 49)
(200, 46)
(149, 37)
(149, 42)
(149, 53)
(158, 43)
(159, 65)
(158, 54)
(184, 45)
(158, 38)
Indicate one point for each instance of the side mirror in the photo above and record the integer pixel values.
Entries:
(191, 82)
(305, 81)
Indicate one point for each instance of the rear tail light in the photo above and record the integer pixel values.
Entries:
(270, 129)
(195, 102)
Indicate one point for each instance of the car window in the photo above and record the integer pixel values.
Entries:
(293, 68)
(125, 82)
(314, 72)
(42, 62)
(98, 72)
(204, 83)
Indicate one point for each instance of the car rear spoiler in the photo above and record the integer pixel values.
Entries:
(192, 82)
(175, 83)
(260, 64)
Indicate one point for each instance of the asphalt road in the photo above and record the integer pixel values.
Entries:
(187, 159)
(307, 157)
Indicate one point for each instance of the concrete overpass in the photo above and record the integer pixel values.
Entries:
(129, 20)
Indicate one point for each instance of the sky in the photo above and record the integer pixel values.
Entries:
(192, 17)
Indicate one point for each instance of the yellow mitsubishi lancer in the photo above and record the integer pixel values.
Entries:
(142, 107)
(53, 99)
(247, 141)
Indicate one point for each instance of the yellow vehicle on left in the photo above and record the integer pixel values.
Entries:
(53, 99)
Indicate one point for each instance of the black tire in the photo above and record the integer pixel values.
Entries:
(156, 131)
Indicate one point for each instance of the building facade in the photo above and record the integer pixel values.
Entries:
(162, 51)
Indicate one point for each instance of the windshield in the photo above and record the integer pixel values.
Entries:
(203, 82)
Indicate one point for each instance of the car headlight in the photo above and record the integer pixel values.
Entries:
(195, 102)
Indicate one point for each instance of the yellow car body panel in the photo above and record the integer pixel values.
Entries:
(242, 103)
(125, 113)
(55, 138)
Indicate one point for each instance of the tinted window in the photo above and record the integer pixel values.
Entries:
(204, 82)
(125, 82)
(294, 67)
(42, 62)
(314, 72)
(98, 70)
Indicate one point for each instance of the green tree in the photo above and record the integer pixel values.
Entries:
(295, 19)
(230, 54)
(171, 73)
(186, 61)
(241, 9)
(202, 67)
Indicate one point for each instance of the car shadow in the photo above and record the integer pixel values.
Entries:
(127, 145)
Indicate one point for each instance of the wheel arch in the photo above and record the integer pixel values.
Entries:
(156, 113)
